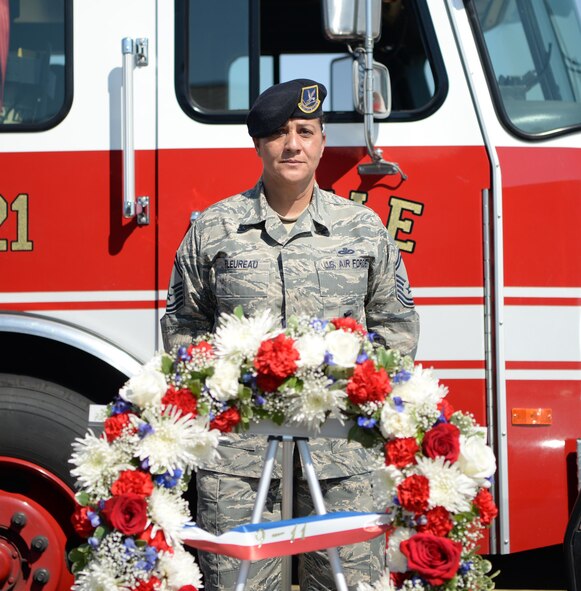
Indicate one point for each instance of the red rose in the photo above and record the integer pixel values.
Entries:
(439, 522)
(275, 361)
(133, 481)
(115, 425)
(398, 579)
(486, 506)
(149, 585)
(187, 588)
(442, 440)
(413, 493)
(127, 513)
(435, 559)
(445, 408)
(81, 522)
(181, 399)
(368, 384)
(349, 324)
(157, 541)
(401, 452)
(226, 420)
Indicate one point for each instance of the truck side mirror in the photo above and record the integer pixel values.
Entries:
(344, 20)
(381, 88)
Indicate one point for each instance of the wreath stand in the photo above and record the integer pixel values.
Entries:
(302, 443)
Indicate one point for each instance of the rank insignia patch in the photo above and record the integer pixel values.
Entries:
(309, 99)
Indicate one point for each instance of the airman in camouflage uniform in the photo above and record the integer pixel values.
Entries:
(336, 258)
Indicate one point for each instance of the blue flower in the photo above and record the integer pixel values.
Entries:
(120, 406)
(247, 378)
(362, 357)
(260, 400)
(93, 542)
(168, 480)
(466, 567)
(94, 518)
(183, 354)
(398, 403)
(329, 358)
(144, 430)
(366, 422)
(371, 336)
(144, 464)
(402, 376)
(130, 545)
(318, 325)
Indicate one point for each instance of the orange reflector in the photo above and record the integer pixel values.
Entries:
(532, 416)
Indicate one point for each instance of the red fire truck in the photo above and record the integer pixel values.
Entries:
(119, 121)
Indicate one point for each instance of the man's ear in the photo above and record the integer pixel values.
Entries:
(256, 144)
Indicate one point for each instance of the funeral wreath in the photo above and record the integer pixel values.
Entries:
(433, 479)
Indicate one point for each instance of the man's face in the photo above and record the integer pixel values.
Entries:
(292, 154)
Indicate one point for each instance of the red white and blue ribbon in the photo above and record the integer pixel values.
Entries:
(292, 536)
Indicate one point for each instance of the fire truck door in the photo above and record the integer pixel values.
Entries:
(68, 251)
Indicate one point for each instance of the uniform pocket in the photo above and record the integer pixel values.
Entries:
(241, 278)
(343, 287)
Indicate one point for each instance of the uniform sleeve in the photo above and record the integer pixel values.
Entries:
(389, 309)
(190, 302)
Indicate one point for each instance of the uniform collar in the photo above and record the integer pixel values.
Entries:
(259, 211)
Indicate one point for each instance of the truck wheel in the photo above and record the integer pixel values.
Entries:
(38, 422)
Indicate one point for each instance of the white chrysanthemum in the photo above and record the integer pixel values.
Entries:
(385, 482)
(146, 388)
(395, 560)
(98, 463)
(240, 338)
(311, 348)
(448, 486)
(396, 424)
(169, 512)
(223, 384)
(180, 568)
(476, 459)
(315, 402)
(97, 578)
(176, 442)
(422, 387)
(382, 584)
(344, 346)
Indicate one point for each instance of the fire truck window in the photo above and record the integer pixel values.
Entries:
(535, 53)
(33, 63)
(227, 62)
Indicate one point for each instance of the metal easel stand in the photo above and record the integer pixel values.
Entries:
(287, 492)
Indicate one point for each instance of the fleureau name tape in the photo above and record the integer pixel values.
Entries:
(292, 536)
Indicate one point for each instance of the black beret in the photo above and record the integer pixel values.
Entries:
(296, 99)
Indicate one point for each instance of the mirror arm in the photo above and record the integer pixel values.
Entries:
(378, 164)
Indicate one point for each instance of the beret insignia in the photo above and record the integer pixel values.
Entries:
(309, 99)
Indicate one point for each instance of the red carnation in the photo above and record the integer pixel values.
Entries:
(401, 452)
(348, 323)
(133, 481)
(275, 361)
(442, 440)
(157, 541)
(435, 559)
(150, 585)
(486, 506)
(187, 588)
(445, 408)
(226, 420)
(413, 493)
(202, 347)
(181, 399)
(81, 522)
(368, 384)
(438, 522)
(115, 425)
(127, 513)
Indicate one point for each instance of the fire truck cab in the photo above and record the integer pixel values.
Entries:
(458, 121)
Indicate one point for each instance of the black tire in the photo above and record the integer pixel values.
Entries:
(39, 421)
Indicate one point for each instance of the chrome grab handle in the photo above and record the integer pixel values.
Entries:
(134, 54)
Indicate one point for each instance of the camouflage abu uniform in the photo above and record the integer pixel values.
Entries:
(337, 259)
